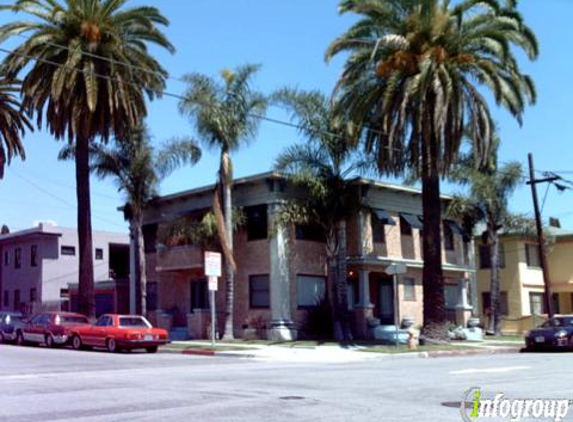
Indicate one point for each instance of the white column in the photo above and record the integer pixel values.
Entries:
(279, 280)
(364, 289)
(132, 266)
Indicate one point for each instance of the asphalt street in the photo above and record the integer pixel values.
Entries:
(39, 384)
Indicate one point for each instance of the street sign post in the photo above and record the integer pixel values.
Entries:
(213, 271)
(394, 270)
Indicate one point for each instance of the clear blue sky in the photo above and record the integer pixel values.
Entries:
(288, 38)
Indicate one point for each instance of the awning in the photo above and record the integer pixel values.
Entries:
(384, 217)
(413, 220)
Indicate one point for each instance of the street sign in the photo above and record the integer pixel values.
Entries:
(212, 264)
(396, 268)
(213, 283)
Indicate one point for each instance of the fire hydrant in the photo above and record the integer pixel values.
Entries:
(412, 338)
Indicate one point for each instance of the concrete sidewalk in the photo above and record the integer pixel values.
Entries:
(328, 353)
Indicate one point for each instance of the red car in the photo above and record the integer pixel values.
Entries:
(120, 332)
(51, 328)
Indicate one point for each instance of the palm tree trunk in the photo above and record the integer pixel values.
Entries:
(226, 183)
(332, 279)
(141, 276)
(86, 298)
(342, 286)
(495, 287)
(433, 282)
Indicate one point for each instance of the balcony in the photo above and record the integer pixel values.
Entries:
(179, 258)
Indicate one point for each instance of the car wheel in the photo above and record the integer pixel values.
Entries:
(152, 349)
(20, 339)
(77, 342)
(112, 346)
(49, 341)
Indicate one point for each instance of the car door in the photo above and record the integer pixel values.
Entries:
(100, 331)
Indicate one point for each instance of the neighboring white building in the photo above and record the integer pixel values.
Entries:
(38, 265)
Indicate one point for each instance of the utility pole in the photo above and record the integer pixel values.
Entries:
(540, 240)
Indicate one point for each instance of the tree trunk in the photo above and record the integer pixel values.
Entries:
(495, 287)
(343, 317)
(136, 269)
(86, 298)
(141, 280)
(433, 282)
(332, 280)
(226, 183)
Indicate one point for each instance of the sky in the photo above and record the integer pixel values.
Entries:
(288, 38)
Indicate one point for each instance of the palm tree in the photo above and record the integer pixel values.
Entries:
(325, 165)
(411, 82)
(13, 123)
(137, 170)
(490, 188)
(87, 72)
(226, 115)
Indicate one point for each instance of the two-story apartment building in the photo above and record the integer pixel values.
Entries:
(39, 264)
(522, 286)
(281, 271)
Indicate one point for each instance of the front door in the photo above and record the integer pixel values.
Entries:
(386, 301)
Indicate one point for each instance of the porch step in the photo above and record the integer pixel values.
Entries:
(179, 334)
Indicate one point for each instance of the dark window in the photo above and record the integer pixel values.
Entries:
(104, 321)
(259, 296)
(485, 256)
(6, 298)
(536, 303)
(18, 258)
(150, 238)
(556, 304)
(16, 300)
(256, 222)
(99, 254)
(532, 255)
(310, 290)
(6, 258)
(311, 232)
(68, 250)
(503, 304)
(33, 295)
(405, 228)
(378, 229)
(409, 289)
(448, 237)
(151, 296)
(199, 295)
(34, 255)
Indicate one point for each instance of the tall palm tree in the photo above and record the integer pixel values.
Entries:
(137, 170)
(411, 80)
(326, 166)
(226, 115)
(87, 72)
(490, 188)
(13, 123)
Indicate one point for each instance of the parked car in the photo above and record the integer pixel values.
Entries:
(120, 332)
(9, 323)
(552, 334)
(50, 328)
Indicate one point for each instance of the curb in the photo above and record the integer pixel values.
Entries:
(205, 352)
(449, 353)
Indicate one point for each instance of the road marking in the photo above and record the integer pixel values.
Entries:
(490, 370)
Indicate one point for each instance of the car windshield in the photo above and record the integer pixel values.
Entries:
(135, 322)
(71, 320)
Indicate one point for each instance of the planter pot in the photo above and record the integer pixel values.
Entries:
(473, 322)
(408, 322)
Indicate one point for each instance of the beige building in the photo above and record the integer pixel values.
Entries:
(522, 298)
(281, 271)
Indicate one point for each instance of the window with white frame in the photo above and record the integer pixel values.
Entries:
(409, 289)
